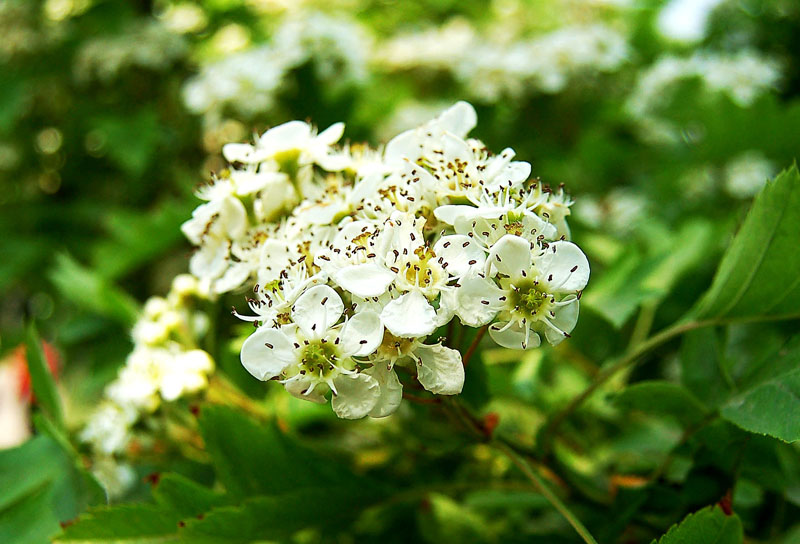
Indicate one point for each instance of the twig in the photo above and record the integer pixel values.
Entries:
(474, 345)
(421, 400)
(537, 480)
(633, 355)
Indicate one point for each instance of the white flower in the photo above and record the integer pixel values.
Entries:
(538, 293)
(313, 354)
(186, 373)
(108, 429)
(747, 173)
(295, 142)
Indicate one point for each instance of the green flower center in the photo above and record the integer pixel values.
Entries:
(318, 358)
(526, 298)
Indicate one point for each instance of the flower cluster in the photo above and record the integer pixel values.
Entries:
(164, 365)
(341, 50)
(148, 45)
(356, 256)
(248, 81)
(491, 69)
(743, 77)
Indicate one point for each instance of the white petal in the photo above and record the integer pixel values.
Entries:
(236, 152)
(440, 369)
(448, 304)
(410, 316)
(449, 213)
(357, 395)
(403, 146)
(391, 390)
(233, 217)
(332, 134)
(266, 353)
(364, 280)
(299, 388)
(195, 228)
(291, 135)
(565, 320)
(234, 276)
(478, 300)
(362, 334)
(497, 163)
(460, 252)
(211, 260)
(563, 267)
(456, 148)
(511, 255)
(459, 119)
(317, 310)
(513, 337)
(533, 226)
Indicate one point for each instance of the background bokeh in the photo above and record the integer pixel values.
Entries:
(662, 119)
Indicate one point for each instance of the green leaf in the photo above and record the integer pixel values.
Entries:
(665, 398)
(769, 408)
(132, 524)
(707, 525)
(30, 519)
(636, 279)
(40, 488)
(444, 520)
(759, 276)
(137, 238)
(184, 496)
(88, 290)
(703, 369)
(277, 517)
(44, 386)
(257, 459)
(131, 154)
(178, 517)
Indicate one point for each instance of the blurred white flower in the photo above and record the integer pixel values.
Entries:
(747, 173)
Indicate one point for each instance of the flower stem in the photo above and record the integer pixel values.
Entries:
(460, 412)
(608, 371)
(537, 481)
(474, 345)
(635, 353)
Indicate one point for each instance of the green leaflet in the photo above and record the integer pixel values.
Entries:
(771, 407)
(759, 276)
(44, 386)
(662, 397)
(40, 488)
(709, 525)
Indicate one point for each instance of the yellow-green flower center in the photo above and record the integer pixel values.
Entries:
(528, 299)
(319, 359)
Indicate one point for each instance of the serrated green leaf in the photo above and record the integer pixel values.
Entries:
(665, 398)
(769, 408)
(88, 290)
(759, 276)
(44, 386)
(277, 517)
(132, 524)
(184, 496)
(707, 525)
